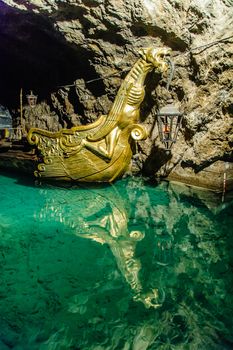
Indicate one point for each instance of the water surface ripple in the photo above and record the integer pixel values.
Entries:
(129, 266)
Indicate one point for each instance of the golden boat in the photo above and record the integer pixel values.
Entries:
(102, 150)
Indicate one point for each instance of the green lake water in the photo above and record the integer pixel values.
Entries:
(129, 266)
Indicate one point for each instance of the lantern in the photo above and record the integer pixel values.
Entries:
(169, 122)
(32, 99)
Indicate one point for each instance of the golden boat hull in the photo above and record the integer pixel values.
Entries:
(100, 151)
(82, 164)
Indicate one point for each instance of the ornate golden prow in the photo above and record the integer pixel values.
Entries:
(100, 151)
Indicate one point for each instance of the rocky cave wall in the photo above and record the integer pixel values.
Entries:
(46, 44)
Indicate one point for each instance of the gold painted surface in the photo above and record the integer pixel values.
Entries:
(100, 151)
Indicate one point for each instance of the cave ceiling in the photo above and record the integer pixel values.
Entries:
(34, 55)
(45, 44)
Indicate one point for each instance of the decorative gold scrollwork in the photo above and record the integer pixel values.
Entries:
(139, 133)
(101, 151)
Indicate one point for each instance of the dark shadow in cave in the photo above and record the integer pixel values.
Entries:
(170, 39)
(157, 158)
(34, 55)
(151, 101)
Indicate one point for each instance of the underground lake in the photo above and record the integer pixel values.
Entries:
(128, 266)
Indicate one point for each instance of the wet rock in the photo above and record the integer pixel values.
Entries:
(217, 176)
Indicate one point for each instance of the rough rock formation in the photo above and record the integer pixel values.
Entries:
(101, 38)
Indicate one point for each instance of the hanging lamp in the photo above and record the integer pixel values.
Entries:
(169, 117)
(32, 99)
(169, 122)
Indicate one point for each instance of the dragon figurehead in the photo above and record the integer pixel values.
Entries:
(159, 57)
(125, 109)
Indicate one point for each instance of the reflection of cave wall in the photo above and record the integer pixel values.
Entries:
(54, 295)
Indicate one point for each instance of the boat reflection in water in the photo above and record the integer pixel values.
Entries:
(105, 216)
(124, 267)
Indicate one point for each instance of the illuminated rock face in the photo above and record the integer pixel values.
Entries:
(54, 43)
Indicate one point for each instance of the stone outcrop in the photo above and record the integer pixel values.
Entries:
(104, 37)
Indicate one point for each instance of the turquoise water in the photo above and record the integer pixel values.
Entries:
(131, 266)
